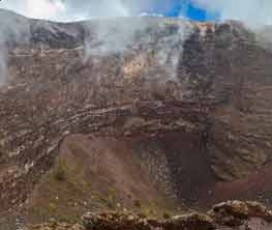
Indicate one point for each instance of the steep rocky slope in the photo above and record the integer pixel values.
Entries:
(190, 102)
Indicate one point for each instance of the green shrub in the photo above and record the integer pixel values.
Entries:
(137, 203)
(166, 215)
(60, 171)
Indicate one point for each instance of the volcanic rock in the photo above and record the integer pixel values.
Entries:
(191, 102)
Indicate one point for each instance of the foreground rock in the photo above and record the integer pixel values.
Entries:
(225, 216)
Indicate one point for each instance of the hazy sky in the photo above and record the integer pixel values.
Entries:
(69, 10)
(252, 11)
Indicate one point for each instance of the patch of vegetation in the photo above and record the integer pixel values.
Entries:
(154, 210)
(60, 171)
(3, 155)
(148, 211)
(110, 198)
(52, 207)
(166, 215)
(137, 204)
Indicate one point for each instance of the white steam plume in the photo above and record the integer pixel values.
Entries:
(111, 36)
(163, 38)
(13, 30)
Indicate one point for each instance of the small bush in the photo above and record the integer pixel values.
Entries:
(166, 215)
(137, 203)
(149, 212)
(52, 207)
(111, 198)
(59, 173)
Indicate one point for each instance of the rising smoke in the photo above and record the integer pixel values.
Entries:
(13, 30)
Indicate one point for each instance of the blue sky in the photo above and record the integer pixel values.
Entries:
(193, 12)
(250, 11)
(186, 8)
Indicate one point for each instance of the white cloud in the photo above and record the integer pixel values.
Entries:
(73, 10)
(68, 10)
(44, 9)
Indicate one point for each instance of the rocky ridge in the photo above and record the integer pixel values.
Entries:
(227, 216)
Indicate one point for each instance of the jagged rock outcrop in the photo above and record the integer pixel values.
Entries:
(225, 216)
(199, 92)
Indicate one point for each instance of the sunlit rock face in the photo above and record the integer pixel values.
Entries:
(199, 94)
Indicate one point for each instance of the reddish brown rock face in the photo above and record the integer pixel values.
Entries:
(195, 97)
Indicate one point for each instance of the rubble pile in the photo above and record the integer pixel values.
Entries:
(230, 215)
